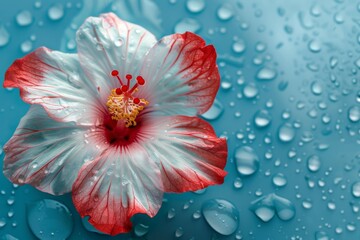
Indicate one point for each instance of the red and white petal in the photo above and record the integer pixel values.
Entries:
(181, 75)
(47, 154)
(188, 152)
(56, 81)
(108, 43)
(117, 185)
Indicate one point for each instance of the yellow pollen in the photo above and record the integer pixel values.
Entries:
(122, 107)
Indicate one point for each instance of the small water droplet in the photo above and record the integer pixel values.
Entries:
(320, 235)
(355, 189)
(316, 88)
(354, 114)
(221, 215)
(26, 46)
(286, 133)
(195, 6)
(2, 222)
(247, 161)
(171, 213)
(141, 230)
(285, 209)
(4, 36)
(263, 208)
(49, 219)
(196, 214)
(24, 18)
(239, 46)
(187, 25)
(250, 91)
(314, 46)
(279, 180)
(225, 12)
(56, 12)
(313, 163)
(266, 74)
(262, 118)
(179, 232)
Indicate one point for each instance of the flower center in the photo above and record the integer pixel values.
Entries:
(121, 103)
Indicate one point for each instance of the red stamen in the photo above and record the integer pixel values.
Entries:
(140, 80)
(133, 88)
(118, 91)
(124, 88)
(128, 77)
(114, 73)
(136, 100)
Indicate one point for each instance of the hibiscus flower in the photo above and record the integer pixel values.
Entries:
(116, 123)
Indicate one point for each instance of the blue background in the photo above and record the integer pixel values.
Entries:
(305, 42)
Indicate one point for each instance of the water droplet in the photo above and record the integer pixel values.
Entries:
(313, 163)
(250, 90)
(263, 208)
(225, 12)
(214, 111)
(196, 214)
(314, 46)
(247, 160)
(266, 74)
(179, 232)
(171, 213)
(24, 18)
(320, 235)
(2, 222)
(4, 36)
(239, 46)
(355, 189)
(56, 12)
(354, 114)
(316, 88)
(8, 236)
(195, 6)
(49, 219)
(187, 24)
(286, 133)
(26, 46)
(221, 215)
(285, 209)
(279, 180)
(238, 183)
(307, 204)
(333, 62)
(141, 230)
(262, 118)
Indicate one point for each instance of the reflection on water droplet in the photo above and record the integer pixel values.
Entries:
(24, 18)
(195, 6)
(286, 133)
(141, 230)
(225, 12)
(247, 161)
(354, 114)
(187, 24)
(221, 215)
(49, 219)
(355, 189)
(4, 36)
(56, 12)
(313, 163)
(214, 111)
(262, 118)
(266, 74)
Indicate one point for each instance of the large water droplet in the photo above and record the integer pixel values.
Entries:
(4, 36)
(24, 18)
(225, 12)
(262, 118)
(247, 160)
(354, 114)
(286, 133)
(285, 209)
(49, 219)
(266, 74)
(56, 12)
(355, 189)
(187, 25)
(313, 163)
(221, 215)
(195, 6)
(214, 112)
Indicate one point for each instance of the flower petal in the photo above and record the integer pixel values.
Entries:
(56, 81)
(182, 75)
(117, 185)
(47, 154)
(189, 154)
(107, 43)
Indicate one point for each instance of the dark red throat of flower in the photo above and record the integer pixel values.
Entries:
(122, 105)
